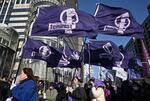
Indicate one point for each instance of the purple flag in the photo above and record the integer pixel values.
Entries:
(104, 53)
(132, 74)
(36, 49)
(125, 60)
(117, 21)
(70, 58)
(63, 21)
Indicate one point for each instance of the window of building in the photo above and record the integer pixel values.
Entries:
(23, 1)
(18, 2)
(28, 1)
(53, 44)
(5, 42)
(6, 57)
(7, 1)
(0, 39)
(20, 44)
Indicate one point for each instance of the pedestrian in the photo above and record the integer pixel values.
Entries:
(51, 92)
(107, 92)
(77, 93)
(40, 89)
(26, 90)
(126, 91)
(146, 89)
(62, 94)
(97, 91)
(4, 89)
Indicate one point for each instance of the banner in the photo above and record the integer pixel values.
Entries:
(70, 58)
(117, 21)
(103, 53)
(126, 59)
(36, 49)
(63, 21)
(121, 73)
(133, 74)
(106, 74)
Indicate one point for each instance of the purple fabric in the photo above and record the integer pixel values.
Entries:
(126, 59)
(70, 58)
(63, 21)
(103, 53)
(117, 21)
(36, 49)
(98, 83)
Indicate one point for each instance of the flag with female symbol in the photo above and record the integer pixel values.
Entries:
(36, 49)
(104, 53)
(117, 21)
(55, 57)
(125, 60)
(63, 21)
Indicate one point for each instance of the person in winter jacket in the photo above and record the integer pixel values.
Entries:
(77, 93)
(97, 92)
(26, 89)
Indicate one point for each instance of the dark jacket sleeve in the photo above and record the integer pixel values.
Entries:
(79, 94)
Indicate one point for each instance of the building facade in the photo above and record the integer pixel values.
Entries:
(141, 47)
(55, 74)
(8, 48)
(15, 13)
(19, 14)
(146, 25)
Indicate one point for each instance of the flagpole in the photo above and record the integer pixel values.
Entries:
(89, 69)
(45, 83)
(19, 66)
(100, 72)
(82, 56)
(82, 62)
(56, 71)
(145, 57)
(89, 62)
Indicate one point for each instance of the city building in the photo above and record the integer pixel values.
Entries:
(19, 14)
(141, 47)
(146, 25)
(8, 48)
(60, 74)
(15, 13)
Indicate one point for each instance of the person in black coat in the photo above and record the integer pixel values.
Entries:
(4, 90)
(78, 93)
(126, 91)
(62, 94)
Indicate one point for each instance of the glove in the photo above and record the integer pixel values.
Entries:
(70, 89)
(44, 95)
(9, 99)
(67, 89)
(17, 80)
(12, 86)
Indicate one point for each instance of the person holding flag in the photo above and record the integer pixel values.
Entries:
(26, 89)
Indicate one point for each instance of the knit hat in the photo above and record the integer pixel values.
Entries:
(98, 83)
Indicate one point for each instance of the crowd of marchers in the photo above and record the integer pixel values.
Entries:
(28, 88)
